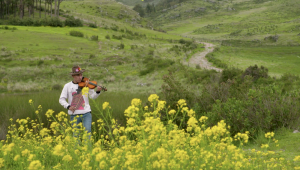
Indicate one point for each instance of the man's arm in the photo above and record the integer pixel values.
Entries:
(93, 94)
(63, 97)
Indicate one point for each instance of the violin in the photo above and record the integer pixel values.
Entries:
(86, 82)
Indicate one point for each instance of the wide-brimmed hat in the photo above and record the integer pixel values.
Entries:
(76, 70)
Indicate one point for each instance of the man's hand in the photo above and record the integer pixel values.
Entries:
(99, 88)
(72, 108)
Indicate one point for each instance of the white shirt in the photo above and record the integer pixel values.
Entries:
(70, 90)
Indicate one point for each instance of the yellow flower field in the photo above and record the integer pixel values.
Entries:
(145, 143)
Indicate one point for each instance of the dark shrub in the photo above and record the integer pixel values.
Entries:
(263, 108)
(151, 52)
(152, 63)
(231, 73)
(107, 37)
(72, 22)
(256, 72)
(93, 25)
(117, 37)
(76, 33)
(121, 46)
(210, 57)
(181, 41)
(53, 22)
(115, 28)
(94, 38)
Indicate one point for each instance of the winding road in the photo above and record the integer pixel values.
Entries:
(199, 58)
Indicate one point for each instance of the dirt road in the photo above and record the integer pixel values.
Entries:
(199, 58)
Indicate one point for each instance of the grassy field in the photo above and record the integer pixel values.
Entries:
(278, 59)
(49, 56)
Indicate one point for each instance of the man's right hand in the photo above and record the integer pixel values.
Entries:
(72, 108)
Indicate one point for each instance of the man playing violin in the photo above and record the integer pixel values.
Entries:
(77, 103)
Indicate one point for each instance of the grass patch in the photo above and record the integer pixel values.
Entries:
(278, 59)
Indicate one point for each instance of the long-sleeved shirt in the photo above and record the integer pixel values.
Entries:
(70, 92)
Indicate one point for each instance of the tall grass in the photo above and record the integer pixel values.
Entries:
(16, 106)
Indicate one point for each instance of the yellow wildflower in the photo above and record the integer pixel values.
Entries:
(25, 152)
(49, 113)
(153, 98)
(58, 150)
(30, 102)
(101, 155)
(181, 102)
(105, 105)
(269, 135)
(136, 102)
(297, 158)
(67, 158)
(44, 132)
(203, 119)
(16, 157)
(146, 108)
(1, 162)
(172, 112)
(191, 113)
(102, 165)
(264, 146)
(35, 165)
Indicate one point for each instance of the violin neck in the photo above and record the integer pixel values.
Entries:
(94, 84)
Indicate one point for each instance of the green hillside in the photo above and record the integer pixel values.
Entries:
(247, 32)
(124, 56)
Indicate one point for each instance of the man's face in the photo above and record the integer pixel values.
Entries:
(77, 78)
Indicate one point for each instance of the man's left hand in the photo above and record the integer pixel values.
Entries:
(99, 88)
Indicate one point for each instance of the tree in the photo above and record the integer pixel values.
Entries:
(148, 9)
(138, 8)
(21, 9)
(58, 4)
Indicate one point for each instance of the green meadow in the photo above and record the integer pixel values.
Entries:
(278, 59)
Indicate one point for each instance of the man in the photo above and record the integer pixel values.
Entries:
(78, 105)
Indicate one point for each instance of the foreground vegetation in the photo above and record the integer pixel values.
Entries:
(145, 143)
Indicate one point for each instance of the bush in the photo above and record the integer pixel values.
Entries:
(76, 33)
(231, 73)
(114, 28)
(8, 28)
(210, 57)
(72, 22)
(107, 37)
(53, 22)
(152, 63)
(117, 37)
(94, 38)
(263, 108)
(92, 56)
(93, 25)
(256, 72)
(121, 46)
